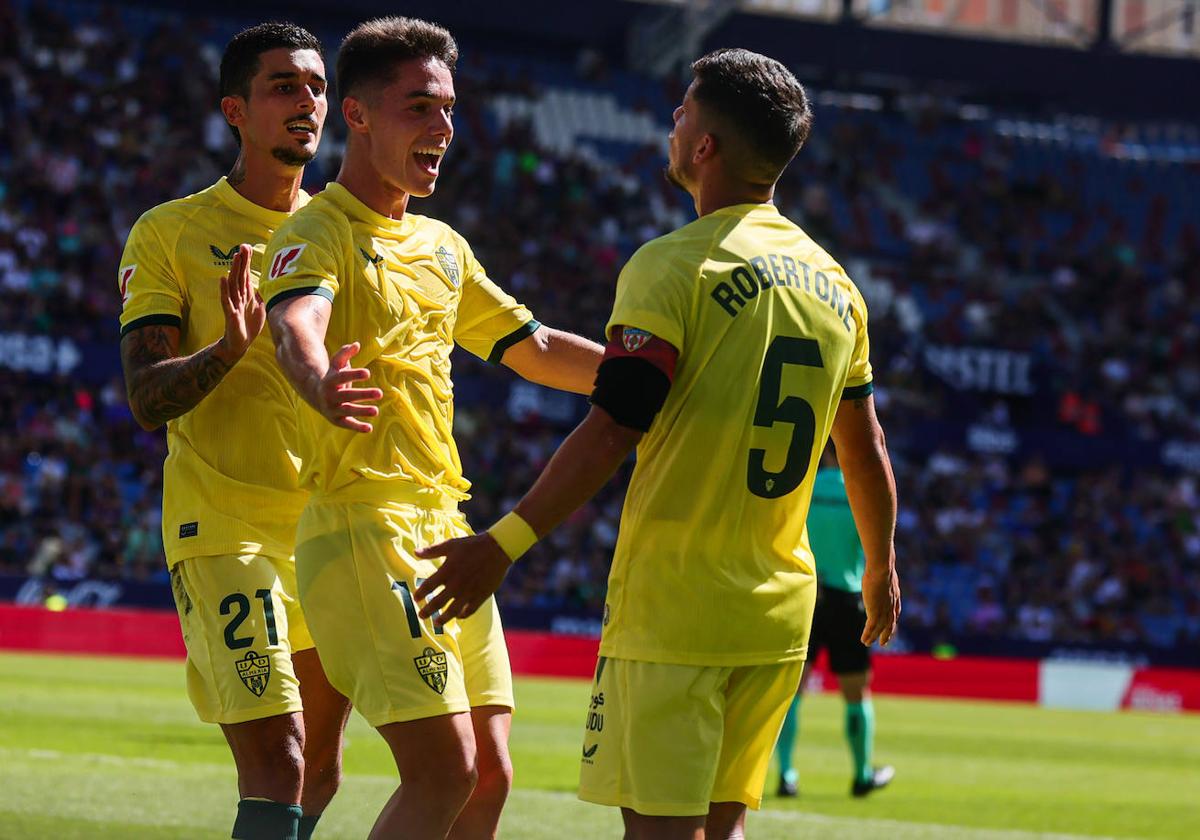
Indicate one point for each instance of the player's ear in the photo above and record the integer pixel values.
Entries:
(234, 109)
(354, 112)
(706, 148)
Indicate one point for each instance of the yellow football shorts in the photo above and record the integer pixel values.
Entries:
(241, 622)
(357, 570)
(666, 740)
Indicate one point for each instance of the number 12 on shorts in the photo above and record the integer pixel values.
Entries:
(410, 608)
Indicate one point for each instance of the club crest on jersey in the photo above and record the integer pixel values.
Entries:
(224, 259)
(634, 339)
(448, 263)
(124, 275)
(255, 672)
(431, 665)
(285, 260)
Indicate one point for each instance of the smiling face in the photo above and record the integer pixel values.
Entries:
(285, 111)
(408, 124)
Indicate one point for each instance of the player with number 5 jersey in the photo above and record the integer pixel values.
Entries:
(736, 347)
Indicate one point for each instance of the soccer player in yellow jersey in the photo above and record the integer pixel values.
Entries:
(194, 359)
(366, 301)
(736, 346)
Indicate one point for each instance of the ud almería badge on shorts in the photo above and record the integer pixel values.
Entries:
(448, 263)
(255, 672)
(431, 665)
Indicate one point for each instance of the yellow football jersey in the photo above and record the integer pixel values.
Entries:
(230, 481)
(406, 290)
(712, 565)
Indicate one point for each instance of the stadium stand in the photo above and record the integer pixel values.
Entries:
(1034, 284)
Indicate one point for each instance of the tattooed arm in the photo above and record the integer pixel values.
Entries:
(163, 385)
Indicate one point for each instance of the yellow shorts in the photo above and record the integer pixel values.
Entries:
(357, 570)
(666, 740)
(241, 621)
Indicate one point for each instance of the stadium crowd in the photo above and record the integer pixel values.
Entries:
(958, 235)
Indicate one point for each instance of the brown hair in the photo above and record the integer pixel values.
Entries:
(370, 53)
(759, 100)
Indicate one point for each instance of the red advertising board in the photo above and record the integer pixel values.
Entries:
(155, 633)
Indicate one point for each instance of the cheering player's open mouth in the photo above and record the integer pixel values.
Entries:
(305, 129)
(429, 159)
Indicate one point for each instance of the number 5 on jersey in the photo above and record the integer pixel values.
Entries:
(784, 350)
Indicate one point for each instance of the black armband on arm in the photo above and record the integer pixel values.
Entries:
(631, 390)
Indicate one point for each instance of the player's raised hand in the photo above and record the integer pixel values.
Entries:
(244, 310)
(881, 597)
(339, 401)
(473, 570)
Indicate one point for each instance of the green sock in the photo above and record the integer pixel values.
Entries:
(787, 741)
(860, 734)
(262, 819)
(307, 826)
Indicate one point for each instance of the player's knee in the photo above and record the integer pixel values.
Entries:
(495, 777)
(270, 759)
(455, 785)
(323, 763)
(450, 782)
(322, 778)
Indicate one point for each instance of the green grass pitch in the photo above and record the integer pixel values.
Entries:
(110, 748)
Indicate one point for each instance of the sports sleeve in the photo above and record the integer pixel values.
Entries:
(489, 319)
(151, 291)
(859, 380)
(302, 258)
(652, 296)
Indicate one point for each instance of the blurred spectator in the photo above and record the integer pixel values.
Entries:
(961, 236)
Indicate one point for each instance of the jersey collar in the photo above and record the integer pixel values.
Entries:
(240, 204)
(356, 209)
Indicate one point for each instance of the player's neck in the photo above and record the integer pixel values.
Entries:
(712, 195)
(267, 183)
(363, 182)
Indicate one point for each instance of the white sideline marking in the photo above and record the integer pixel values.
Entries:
(843, 826)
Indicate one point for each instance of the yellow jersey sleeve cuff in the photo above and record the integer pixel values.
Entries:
(514, 535)
(857, 392)
(165, 319)
(286, 294)
(515, 337)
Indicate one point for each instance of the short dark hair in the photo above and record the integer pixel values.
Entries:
(241, 61)
(370, 53)
(759, 100)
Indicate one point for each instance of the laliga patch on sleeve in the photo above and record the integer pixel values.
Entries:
(634, 339)
(124, 275)
(631, 342)
(285, 260)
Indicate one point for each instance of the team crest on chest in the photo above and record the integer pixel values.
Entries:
(634, 339)
(449, 265)
(431, 665)
(255, 672)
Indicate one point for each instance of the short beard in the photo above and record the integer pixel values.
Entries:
(672, 178)
(292, 157)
